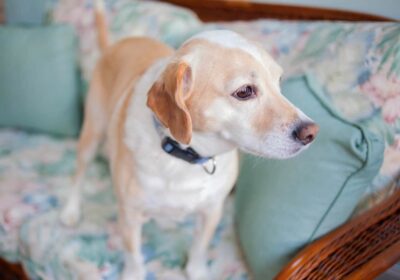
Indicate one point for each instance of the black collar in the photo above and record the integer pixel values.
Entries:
(175, 149)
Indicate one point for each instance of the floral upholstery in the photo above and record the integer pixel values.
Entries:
(126, 18)
(35, 174)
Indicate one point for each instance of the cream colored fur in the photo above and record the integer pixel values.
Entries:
(189, 91)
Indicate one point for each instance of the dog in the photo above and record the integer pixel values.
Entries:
(173, 122)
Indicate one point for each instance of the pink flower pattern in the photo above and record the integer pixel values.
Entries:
(384, 92)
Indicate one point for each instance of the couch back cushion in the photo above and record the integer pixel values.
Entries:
(25, 12)
(39, 79)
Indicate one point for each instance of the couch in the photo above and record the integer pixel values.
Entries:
(357, 64)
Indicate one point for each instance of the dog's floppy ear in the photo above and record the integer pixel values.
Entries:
(167, 98)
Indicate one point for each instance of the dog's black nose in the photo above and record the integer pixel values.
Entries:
(305, 132)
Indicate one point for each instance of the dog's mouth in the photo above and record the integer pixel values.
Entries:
(278, 145)
(297, 150)
(283, 152)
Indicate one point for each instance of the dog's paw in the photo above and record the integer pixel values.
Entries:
(196, 271)
(71, 213)
(133, 274)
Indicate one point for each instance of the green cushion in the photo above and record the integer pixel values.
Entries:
(39, 79)
(26, 12)
(284, 204)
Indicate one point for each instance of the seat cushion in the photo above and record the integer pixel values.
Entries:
(284, 204)
(39, 84)
(35, 176)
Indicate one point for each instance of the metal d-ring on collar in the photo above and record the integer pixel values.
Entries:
(213, 168)
(173, 148)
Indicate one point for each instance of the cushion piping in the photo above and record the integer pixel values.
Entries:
(315, 89)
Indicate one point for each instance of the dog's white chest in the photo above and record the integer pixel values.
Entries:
(171, 186)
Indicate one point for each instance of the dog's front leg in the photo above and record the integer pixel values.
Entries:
(131, 230)
(196, 267)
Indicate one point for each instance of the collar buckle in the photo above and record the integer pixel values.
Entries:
(189, 155)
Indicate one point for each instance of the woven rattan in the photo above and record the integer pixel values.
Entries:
(362, 248)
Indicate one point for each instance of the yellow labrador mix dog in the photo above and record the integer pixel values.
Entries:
(173, 121)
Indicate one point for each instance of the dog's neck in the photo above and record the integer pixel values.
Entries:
(210, 144)
(206, 145)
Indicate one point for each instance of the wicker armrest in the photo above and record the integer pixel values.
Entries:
(362, 248)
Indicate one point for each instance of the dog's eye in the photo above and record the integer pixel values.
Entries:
(245, 92)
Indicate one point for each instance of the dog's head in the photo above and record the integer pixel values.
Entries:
(219, 83)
